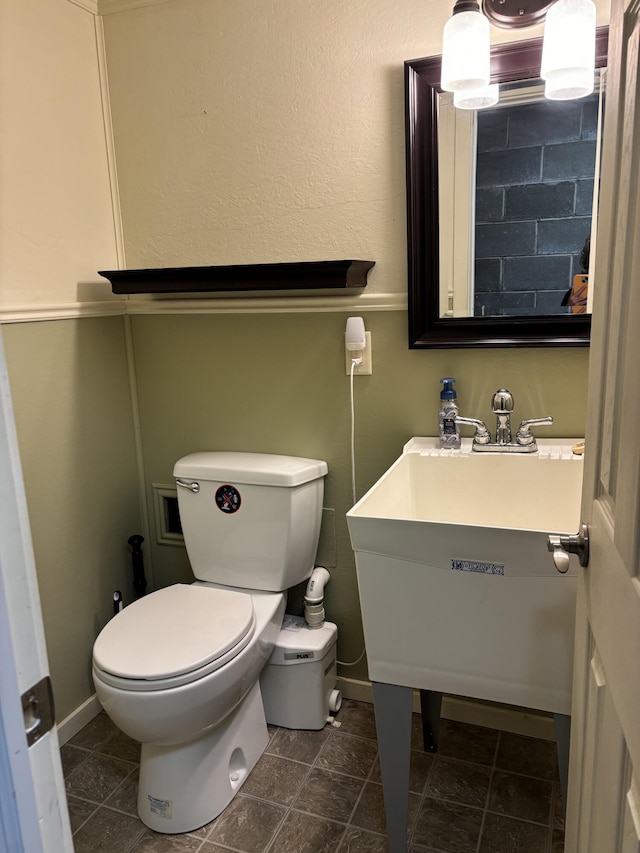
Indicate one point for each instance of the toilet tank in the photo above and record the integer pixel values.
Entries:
(250, 520)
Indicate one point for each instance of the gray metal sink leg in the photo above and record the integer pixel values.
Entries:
(430, 706)
(393, 706)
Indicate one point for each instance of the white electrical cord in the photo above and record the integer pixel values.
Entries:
(354, 662)
(354, 363)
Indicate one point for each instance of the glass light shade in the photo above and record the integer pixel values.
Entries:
(477, 99)
(465, 52)
(568, 50)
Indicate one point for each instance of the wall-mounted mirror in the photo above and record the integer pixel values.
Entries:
(500, 207)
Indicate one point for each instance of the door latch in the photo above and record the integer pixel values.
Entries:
(564, 544)
(38, 710)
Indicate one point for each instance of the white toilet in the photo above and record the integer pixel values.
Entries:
(178, 669)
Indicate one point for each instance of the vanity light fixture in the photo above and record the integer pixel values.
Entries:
(477, 99)
(466, 45)
(568, 55)
(568, 50)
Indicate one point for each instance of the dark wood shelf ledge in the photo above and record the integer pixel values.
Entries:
(308, 275)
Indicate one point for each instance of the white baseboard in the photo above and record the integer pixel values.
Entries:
(78, 719)
(501, 717)
(493, 716)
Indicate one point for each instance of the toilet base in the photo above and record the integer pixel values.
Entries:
(185, 786)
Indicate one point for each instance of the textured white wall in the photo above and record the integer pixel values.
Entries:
(56, 217)
(252, 131)
(69, 378)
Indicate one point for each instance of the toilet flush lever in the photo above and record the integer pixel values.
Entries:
(569, 543)
(193, 487)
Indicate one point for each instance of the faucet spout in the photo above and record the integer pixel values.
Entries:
(502, 405)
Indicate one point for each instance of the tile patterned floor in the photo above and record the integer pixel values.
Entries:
(319, 792)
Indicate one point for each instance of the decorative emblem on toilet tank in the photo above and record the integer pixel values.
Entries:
(228, 498)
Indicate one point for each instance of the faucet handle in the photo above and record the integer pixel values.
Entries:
(481, 435)
(524, 435)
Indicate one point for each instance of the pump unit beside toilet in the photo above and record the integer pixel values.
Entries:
(179, 669)
(298, 683)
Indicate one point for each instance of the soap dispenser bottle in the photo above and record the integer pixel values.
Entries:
(448, 428)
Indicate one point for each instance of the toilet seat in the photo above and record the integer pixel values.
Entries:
(173, 636)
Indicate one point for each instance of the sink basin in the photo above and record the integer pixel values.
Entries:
(459, 593)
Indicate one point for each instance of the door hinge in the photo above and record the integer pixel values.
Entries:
(38, 710)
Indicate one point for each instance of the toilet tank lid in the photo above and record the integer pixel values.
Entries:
(258, 469)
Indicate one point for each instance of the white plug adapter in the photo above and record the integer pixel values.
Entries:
(357, 344)
(355, 338)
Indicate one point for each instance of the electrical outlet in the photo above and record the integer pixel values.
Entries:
(365, 368)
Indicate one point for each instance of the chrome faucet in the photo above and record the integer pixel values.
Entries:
(502, 405)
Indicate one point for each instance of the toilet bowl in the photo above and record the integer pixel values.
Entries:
(188, 711)
(178, 670)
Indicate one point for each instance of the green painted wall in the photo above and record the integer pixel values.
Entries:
(276, 383)
(72, 408)
(269, 383)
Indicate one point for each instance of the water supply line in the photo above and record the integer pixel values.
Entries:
(118, 603)
(314, 597)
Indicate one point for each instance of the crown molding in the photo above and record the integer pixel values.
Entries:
(111, 7)
(87, 5)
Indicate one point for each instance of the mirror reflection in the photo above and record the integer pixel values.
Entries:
(465, 289)
(518, 203)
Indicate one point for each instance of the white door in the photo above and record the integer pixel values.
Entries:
(604, 775)
(33, 809)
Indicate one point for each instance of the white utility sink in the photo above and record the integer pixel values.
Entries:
(459, 593)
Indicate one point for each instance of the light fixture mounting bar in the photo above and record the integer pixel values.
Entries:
(514, 14)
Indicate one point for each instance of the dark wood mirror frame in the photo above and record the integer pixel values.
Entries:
(510, 62)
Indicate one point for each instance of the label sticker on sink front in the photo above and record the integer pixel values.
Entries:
(478, 566)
